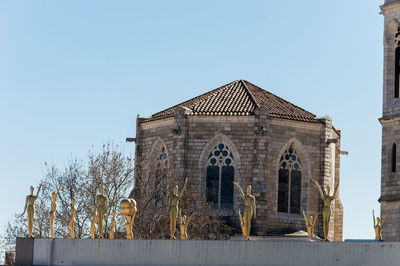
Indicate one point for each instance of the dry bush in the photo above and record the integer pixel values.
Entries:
(151, 193)
(82, 181)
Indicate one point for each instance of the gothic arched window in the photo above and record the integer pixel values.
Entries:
(289, 182)
(393, 164)
(161, 163)
(397, 73)
(220, 177)
(161, 166)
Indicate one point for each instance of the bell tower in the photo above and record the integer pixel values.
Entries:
(390, 121)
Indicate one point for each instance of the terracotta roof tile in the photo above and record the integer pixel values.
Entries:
(239, 98)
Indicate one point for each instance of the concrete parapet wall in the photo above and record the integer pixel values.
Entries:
(197, 252)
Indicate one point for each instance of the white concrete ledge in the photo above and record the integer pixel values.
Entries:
(197, 252)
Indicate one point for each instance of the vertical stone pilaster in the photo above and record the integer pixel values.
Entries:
(326, 178)
(140, 168)
(338, 217)
(180, 132)
(260, 184)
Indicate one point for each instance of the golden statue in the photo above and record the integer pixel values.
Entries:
(173, 208)
(184, 224)
(378, 226)
(249, 210)
(53, 211)
(128, 212)
(310, 224)
(30, 208)
(326, 212)
(113, 225)
(242, 223)
(101, 207)
(72, 220)
(93, 225)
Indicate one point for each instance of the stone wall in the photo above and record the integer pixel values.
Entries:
(197, 252)
(257, 143)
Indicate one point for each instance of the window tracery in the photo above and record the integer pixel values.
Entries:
(289, 182)
(161, 163)
(220, 177)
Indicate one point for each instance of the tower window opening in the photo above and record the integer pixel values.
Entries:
(397, 73)
(394, 151)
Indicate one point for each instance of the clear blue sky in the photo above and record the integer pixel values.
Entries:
(76, 73)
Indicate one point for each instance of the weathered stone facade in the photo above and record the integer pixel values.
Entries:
(257, 141)
(390, 179)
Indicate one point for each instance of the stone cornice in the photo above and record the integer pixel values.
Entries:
(394, 197)
(389, 119)
(389, 6)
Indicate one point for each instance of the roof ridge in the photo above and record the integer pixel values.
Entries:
(279, 98)
(242, 81)
(195, 99)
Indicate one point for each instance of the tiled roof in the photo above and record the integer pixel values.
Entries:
(239, 98)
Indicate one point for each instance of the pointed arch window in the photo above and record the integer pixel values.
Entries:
(394, 158)
(161, 166)
(397, 72)
(220, 177)
(161, 163)
(289, 182)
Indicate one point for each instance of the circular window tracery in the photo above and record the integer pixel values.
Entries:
(221, 156)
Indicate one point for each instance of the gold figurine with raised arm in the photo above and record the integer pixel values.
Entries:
(173, 208)
(101, 207)
(184, 224)
(113, 225)
(378, 226)
(30, 208)
(128, 212)
(326, 212)
(53, 211)
(249, 210)
(72, 220)
(310, 224)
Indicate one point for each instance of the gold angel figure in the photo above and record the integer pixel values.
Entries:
(113, 225)
(173, 208)
(249, 210)
(184, 224)
(72, 220)
(30, 208)
(378, 226)
(101, 207)
(326, 211)
(53, 211)
(310, 224)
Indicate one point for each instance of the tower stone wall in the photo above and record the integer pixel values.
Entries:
(390, 121)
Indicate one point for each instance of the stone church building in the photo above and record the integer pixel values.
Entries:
(240, 132)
